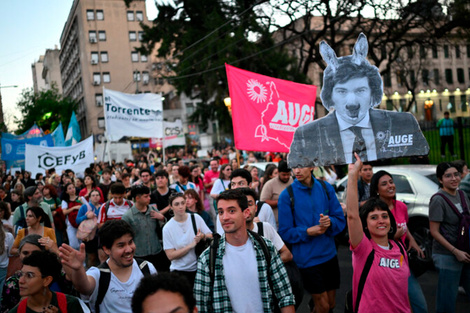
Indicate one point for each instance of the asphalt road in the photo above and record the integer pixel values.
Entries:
(428, 283)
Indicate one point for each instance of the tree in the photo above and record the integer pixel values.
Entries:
(391, 27)
(198, 37)
(47, 109)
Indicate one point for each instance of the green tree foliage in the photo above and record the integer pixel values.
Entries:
(197, 38)
(47, 109)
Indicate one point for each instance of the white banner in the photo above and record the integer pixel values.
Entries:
(77, 157)
(174, 135)
(138, 115)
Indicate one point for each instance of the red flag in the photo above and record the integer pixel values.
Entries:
(266, 111)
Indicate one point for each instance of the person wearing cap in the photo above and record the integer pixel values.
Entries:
(33, 198)
(273, 188)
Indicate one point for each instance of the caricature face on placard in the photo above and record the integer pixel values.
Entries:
(352, 87)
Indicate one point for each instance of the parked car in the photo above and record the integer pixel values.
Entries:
(415, 185)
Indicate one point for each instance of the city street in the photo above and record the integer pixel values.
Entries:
(428, 282)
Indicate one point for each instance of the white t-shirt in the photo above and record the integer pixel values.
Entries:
(265, 215)
(119, 296)
(270, 233)
(219, 186)
(8, 244)
(242, 278)
(178, 235)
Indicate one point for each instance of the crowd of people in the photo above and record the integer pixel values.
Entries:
(233, 241)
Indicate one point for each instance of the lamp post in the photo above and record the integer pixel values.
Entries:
(2, 121)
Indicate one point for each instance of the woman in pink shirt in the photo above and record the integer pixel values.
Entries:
(383, 187)
(371, 234)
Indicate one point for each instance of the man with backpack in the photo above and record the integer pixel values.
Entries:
(110, 286)
(254, 275)
(115, 207)
(309, 218)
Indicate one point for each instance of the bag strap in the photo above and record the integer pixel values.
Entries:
(105, 279)
(290, 190)
(212, 256)
(193, 221)
(144, 266)
(181, 186)
(62, 302)
(260, 228)
(450, 203)
(362, 280)
(259, 205)
(22, 306)
(462, 201)
(106, 208)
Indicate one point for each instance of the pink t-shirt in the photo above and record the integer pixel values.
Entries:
(386, 287)
(400, 212)
(210, 176)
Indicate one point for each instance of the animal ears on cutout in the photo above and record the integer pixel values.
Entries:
(329, 55)
(360, 49)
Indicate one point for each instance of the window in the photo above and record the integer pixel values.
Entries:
(422, 52)
(434, 52)
(389, 105)
(468, 51)
(387, 80)
(435, 73)
(99, 15)
(130, 15)
(159, 81)
(94, 58)
(446, 51)
(99, 99)
(106, 77)
(141, 36)
(425, 75)
(139, 15)
(402, 105)
(402, 184)
(135, 56)
(92, 36)
(452, 103)
(143, 58)
(383, 52)
(145, 77)
(409, 51)
(460, 76)
(96, 78)
(400, 78)
(132, 36)
(412, 77)
(321, 79)
(101, 122)
(136, 76)
(104, 56)
(90, 15)
(457, 52)
(463, 103)
(102, 35)
(449, 78)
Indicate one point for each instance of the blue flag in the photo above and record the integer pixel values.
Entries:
(58, 136)
(73, 132)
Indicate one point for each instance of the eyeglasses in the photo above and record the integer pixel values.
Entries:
(27, 275)
(456, 175)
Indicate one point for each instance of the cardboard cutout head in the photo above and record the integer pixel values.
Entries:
(351, 88)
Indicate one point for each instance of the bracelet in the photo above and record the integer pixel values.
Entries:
(452, 250)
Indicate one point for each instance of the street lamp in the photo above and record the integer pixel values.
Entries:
(2, 121)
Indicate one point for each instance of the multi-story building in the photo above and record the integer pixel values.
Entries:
(98, 45)
(46, 71)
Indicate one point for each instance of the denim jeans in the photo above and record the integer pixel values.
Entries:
(450, 272)
(3, 275)
(415, 293)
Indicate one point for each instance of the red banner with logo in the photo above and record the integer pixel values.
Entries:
(266, 111)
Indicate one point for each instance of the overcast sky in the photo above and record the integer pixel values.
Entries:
(29, 27)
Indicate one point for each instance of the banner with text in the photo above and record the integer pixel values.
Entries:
(77, 157)
(14, 149)
(138, 115)
(266, 111)
(174, 135)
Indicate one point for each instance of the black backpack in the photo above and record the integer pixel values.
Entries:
(105, 279)
(463, 236)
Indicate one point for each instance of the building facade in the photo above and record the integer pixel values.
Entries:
(98, 50)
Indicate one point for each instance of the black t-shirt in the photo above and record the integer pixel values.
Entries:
(162, 201)
(105, 189)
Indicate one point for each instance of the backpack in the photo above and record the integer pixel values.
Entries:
(348, 305)
(105, 279)
(259, 205)
(290, 190)
(463, 236)
(61, 301)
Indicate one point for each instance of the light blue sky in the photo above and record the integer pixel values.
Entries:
(28, 28)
